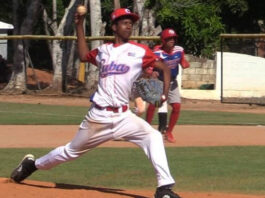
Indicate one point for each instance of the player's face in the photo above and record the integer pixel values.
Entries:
(123, 28)
(170, 42)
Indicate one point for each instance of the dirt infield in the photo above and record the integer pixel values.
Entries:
(32, 189)
(52, 136)
(43, 136)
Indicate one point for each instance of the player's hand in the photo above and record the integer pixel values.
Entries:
(80, 15)
(147, 72)
(161, 101)
(79, 19)
(150, 73)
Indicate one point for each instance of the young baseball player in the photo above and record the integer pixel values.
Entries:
(109, 117)
(173, 56)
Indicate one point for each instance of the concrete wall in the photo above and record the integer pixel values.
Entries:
(3, 45)
(244, 76)
(4, 27)
(201, 72)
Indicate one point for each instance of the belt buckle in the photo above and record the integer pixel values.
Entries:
(124, 108)
(115, 109)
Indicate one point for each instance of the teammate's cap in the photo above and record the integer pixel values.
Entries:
(123, 12)
(168, 33)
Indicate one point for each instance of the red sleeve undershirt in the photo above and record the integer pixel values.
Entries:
(91, 56)
(149, 58)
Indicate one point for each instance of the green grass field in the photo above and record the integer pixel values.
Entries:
(212, 169)
(11, 113)
(208, 169)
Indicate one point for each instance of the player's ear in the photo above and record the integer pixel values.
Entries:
(114, 27)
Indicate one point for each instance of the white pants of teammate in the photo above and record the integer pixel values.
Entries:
(173, 97)
(100, 126)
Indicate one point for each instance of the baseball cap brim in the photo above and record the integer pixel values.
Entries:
(118, 13)
(132, 16)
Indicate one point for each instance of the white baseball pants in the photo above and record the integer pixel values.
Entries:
(112, 126)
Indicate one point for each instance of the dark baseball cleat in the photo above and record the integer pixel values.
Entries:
(162, 129)
(25, 168)
(165, 192)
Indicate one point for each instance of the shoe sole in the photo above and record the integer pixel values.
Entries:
(165, 196)
(172, 141)
(26, 156)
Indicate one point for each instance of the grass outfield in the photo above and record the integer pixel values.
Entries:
(12, 113)
(208, 169)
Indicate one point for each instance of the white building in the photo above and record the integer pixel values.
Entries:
(4, 27)
(243, 77)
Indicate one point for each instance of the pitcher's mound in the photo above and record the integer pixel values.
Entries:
(33, 189)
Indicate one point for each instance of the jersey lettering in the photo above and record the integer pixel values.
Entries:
(119, 66)
(112, 69)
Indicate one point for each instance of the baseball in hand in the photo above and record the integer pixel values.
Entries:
(81, 10)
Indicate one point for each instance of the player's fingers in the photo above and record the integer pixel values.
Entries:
(78, 18)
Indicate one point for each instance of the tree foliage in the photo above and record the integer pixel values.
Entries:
(197, 24)
(6, 12)
(241, 16)
(201, 27)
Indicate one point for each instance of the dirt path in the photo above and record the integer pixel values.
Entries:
(43, 136)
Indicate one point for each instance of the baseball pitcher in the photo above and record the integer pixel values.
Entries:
(120, 64)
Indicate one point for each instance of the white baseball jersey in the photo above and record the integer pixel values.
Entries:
(119, 66)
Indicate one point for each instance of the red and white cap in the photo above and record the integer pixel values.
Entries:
(168, 33)
(123, 12)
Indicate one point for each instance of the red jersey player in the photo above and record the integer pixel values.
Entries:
(173, 56)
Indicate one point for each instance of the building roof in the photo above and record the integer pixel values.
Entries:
(6, 26)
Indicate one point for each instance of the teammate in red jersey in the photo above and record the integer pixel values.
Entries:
(173, 56)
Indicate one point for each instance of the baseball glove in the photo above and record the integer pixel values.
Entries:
(150, 90)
